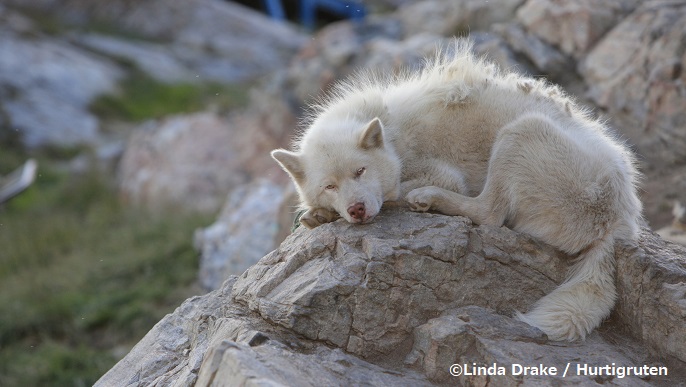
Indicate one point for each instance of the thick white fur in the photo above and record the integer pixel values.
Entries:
(463, 138)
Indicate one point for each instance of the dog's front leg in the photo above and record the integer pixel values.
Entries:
(452, 203)
(315, 217)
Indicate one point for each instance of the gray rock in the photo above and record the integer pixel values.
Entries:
(651, 284)
(247, 229)
(182, 160)
(636, 73)
(361, 270)
(571, 25)
(154, 59)
(215, 40)
(274, 364)
(400, 300)
(543, 56)
(224, 41)
(46, 102)
(474, 336)
(455, 17)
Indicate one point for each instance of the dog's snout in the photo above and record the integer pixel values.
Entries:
(357, 211)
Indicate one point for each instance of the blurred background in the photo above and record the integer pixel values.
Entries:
(135, 138)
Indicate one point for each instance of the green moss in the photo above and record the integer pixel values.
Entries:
(141, 97)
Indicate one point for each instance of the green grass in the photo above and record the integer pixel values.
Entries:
(142, 97)
(82, 275)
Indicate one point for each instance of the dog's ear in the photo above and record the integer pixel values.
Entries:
(372, 135)
(290, 162)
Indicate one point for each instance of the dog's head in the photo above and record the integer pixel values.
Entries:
(347, 167)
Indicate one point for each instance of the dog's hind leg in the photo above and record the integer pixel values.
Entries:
(543, 183)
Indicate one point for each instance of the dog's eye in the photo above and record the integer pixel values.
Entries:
(330, 187)
(360, 171)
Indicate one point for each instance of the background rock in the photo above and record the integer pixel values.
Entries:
(635, 74)
(397, 300)
(442, 17)
(181, 160)
(254, 221)
(46, 102)
(571, 25)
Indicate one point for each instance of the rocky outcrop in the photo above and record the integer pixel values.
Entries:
(636, 74)
(255, 218)
(214, 40)
(46, 102)
(448, 18)
(181, 160)
(571, 25)
(400, 300)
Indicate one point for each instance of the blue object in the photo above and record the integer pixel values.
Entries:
(349, 9)
(274, 8)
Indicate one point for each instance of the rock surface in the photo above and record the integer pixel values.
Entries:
(254, 220)
(636, 73)
(46, 102)
(571, 25)
(398, 301)
(183, 160)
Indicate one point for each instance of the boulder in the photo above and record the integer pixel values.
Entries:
(215, 40)
(571, 25)
(254, 220)
(46, 103)
(451, 17)
(401, 301)
(636, 74)
(544, 57)
(224, 41)
(190, 161)
(155, 59)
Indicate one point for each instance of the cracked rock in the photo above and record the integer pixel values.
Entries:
(399, 301)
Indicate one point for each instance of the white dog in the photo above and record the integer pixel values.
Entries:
(461, 137)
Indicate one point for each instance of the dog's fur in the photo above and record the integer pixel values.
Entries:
(461, 137)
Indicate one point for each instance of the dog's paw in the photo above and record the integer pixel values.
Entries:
(315, 217)
(421, 199)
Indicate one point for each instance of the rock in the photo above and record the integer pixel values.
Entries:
(473, 336)
(448, 18)
(573, 26)
(495, 49)
(543, 56)
(224, 41)
(154, 59)
(249, 226)
(636, 74)
(183, 160)
(334, 52)
(361, 270)
(237, 364)
(46, 103)
(399, 301)
(198, 41)
(651, 284)
(676, 232)
(195, 160)
(215, 40)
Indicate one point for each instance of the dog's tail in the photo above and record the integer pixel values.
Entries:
(581, 303)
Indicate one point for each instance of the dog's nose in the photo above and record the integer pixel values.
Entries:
(357, 211)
